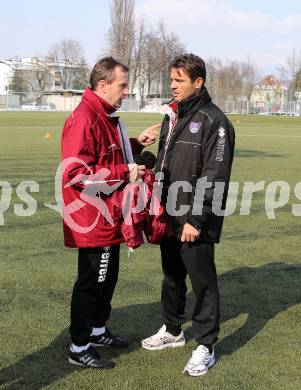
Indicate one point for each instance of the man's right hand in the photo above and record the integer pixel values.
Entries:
(190, 233)
(148, 136)
(136, 172)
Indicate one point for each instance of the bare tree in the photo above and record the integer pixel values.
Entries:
(38, 78)
(158, 50)
(231, 82)
(288, 70)
(68, 58)
(148, 52)
(296, 82)
(249, 76)
(171, 46)
(138, 51)
(81, 75)
(122, 32)
(213, 66)
(19, 81)
(153, 63)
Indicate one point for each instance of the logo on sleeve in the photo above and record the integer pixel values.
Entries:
(221, 132)
(220, 144)
(195, 127)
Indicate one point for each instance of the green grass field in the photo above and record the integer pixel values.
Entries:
(258, 263)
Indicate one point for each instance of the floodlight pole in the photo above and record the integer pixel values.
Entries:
(7, 95)
(243, 97)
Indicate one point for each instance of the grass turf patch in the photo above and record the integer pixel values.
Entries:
(258, 263)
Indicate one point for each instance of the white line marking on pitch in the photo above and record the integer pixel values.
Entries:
(31, 127)
(268, 135)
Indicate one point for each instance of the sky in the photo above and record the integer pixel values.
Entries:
(266, 31)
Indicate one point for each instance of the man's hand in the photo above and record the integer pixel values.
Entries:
(136, 172)
(190, 233)
(148, 137)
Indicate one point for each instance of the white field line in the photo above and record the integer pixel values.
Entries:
(249, 135)
(268, 125)
(268, 135)
(142, 128)
(31, 127)
(61, 127)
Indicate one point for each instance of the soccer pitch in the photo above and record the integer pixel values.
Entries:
(258, 263)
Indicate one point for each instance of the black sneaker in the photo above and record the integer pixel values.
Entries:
(90, 359)
(108, 340)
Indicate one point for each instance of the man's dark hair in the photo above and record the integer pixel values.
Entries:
(193, 65)
(104, 70)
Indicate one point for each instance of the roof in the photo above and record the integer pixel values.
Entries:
(19, 65)
(63, 91)
(31, 63)
(270, 82)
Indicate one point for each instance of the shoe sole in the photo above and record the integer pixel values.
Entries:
(85, 366)
(164, 346)
(191, 373)
(108, 346)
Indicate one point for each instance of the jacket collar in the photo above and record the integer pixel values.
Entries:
(96, 103)
(188, 106)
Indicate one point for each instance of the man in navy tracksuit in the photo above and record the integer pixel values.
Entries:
(195, 157)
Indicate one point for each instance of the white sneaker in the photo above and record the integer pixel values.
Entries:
(162, 340)
(200, 361)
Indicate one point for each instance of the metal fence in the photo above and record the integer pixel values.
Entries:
(68, 101)
(292, 108)
(145, 105)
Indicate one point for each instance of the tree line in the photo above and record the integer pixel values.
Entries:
(63, 68)
(148, 51)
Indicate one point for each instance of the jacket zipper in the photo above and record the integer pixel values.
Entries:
(169, 136)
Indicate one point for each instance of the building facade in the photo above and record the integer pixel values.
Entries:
(269, 95)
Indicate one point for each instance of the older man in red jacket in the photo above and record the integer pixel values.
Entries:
(97, 161)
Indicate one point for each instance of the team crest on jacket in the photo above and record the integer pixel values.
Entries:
(195, 127)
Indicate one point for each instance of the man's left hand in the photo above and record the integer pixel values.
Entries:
(190, 233)
(148, 137)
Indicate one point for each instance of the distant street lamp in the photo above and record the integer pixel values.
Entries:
(243, 97)
(7, 92)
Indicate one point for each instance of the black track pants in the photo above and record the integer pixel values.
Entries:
(196, 260)
(93, 290)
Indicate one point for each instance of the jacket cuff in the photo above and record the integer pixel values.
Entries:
(137, 147)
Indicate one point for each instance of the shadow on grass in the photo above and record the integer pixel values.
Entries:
(255, 153)
(261, 293)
